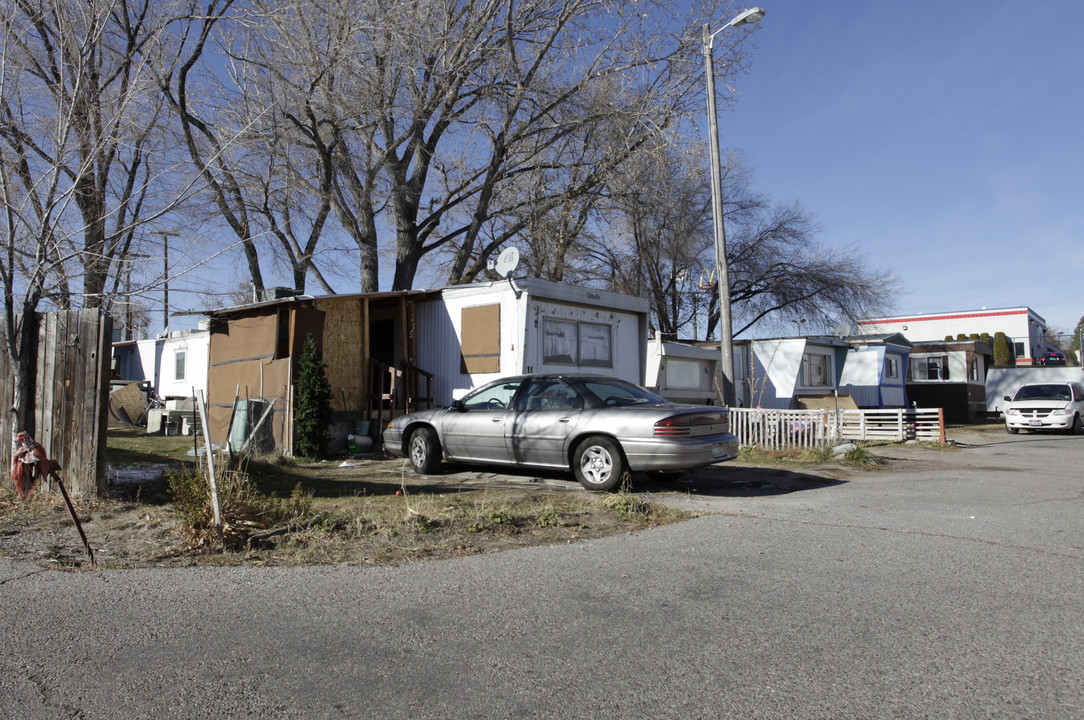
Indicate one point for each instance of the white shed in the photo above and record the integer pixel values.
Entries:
(683, 373)
(173, 364)
(476, 333)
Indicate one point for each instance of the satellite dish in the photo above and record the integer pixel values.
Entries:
(507, 262)
(842, 330)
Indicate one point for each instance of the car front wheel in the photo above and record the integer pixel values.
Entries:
(598, 463)
(424, 451)
(1076, 428)
(1011, 430)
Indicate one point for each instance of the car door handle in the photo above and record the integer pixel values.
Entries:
(497, 419)
(566, 419)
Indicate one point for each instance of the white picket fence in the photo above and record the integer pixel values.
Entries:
(804, 429)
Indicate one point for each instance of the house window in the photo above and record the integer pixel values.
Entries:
(480, 343)
(973, 374)
(816, 370)
(892, 367)
(1018, 349)
(682, 374)
(930, 367)
(567, 342)
(595, 349)
(559, 341)
(179, 363)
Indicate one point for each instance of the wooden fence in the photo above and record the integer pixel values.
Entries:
(806, 429)
(69, 392)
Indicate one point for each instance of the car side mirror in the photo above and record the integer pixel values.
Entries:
(458, 405)
(1008, 398)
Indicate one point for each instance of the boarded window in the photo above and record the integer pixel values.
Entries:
(480, 341)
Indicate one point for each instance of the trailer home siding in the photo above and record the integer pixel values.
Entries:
(481, 332)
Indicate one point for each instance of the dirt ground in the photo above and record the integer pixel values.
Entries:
(420, 517)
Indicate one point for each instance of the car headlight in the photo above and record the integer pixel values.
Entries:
(1060, 411)
(1012, 411)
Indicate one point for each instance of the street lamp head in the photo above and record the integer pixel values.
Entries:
(747, 17)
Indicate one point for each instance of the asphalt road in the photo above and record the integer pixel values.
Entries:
(949, 589)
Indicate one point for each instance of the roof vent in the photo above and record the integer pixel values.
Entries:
(276, 293)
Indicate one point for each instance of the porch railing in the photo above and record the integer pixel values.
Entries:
(805, 429)
(398, 390)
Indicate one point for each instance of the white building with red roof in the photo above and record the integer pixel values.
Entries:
(1025, 328)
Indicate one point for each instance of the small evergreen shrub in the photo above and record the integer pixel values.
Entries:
(312, 411)
(1002, 351)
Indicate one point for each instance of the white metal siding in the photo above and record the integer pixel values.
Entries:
(777, 364)
(440, 333)
(625, 339)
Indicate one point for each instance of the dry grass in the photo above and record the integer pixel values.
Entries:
(372, 511)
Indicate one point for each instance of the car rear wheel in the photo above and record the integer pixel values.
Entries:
(598, 463)
(424, 451)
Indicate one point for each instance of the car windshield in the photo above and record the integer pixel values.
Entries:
(492, 397)
(616, 392)
(1044, 392)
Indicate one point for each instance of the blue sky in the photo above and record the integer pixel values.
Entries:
(947, 146)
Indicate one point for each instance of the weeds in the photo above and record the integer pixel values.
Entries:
(858, 456)
(387, 528)
(243, 507)
(628, 506)
(861, 457)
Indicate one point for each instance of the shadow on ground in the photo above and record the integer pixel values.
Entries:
(739, 481)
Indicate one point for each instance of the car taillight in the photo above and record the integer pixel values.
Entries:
(677, 425)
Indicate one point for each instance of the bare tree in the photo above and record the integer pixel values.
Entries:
(478, 118)
(661, 243)
(779, 271)
(78, 154)
(659, 214)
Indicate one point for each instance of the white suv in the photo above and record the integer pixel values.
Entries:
(1046, 406)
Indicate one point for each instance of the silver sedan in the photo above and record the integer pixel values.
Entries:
(599, 427)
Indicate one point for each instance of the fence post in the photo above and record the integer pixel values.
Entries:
(941, 423)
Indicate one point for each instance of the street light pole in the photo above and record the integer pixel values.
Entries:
(726, 339)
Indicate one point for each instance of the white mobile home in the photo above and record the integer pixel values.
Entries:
(683, 373)
(772, 373)
(875, 372)
(172, 364)
(480, 332)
